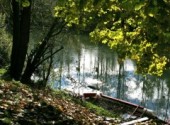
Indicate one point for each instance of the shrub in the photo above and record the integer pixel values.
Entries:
(5, 44)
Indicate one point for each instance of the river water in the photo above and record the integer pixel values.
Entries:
(83, 63)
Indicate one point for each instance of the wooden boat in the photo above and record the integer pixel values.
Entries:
(135, 109)
(138, 110)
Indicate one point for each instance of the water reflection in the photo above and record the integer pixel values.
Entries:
(84, 61)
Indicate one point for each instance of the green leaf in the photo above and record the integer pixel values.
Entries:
(139, 6)
(25, 3)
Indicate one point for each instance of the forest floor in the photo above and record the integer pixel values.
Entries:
(21, 104)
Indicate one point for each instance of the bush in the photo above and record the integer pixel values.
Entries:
(5, 45)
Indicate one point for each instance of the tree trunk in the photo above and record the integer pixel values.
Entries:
(26, 77)
(14, 72)
(35, 59)
(21, 29)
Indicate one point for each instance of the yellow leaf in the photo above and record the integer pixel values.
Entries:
(104, 41)
(151, 14)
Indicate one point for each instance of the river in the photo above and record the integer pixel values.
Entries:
(84, 63)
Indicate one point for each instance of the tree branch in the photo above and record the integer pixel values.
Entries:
(49, 68)
(59, 30)
(52, 54)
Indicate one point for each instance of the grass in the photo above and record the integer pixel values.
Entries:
(89, 105)
(99, 110)
(2, 71)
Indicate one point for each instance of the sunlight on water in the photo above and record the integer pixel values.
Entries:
(97, 67)
(129, 65)
(134, 91)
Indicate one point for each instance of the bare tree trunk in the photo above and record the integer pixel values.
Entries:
(35, 57)
(49, 70)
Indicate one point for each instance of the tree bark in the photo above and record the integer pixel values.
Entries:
(26, 77)
(21, 29)
(16, 36)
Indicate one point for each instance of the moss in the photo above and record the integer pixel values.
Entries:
(98, 110)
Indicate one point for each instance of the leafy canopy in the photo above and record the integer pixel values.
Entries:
(138, 29)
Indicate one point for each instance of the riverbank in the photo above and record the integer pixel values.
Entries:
(21, 104)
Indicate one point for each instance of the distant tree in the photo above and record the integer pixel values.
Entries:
(5, 38)
(5, 47)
